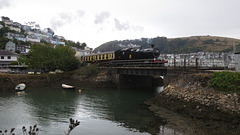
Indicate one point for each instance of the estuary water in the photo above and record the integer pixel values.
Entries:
(100, 112)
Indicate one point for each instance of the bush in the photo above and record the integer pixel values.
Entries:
(90, 69)
(226, 81)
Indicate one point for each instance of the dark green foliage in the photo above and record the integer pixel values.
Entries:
(3, 42)
(226, 81)
(75, 44)
(90, 69)
(45, 57)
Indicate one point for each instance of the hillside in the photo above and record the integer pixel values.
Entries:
(176, 45)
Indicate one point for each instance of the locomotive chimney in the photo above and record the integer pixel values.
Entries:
(152, 45)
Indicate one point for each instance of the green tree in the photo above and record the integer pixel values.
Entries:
(46, 57)
(3, 42)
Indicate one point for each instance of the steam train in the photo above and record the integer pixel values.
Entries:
(124, 54)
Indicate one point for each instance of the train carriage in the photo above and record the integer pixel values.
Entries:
(92, 58)
(123, 54)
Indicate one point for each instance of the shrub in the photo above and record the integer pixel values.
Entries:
(226, 81)
(90, 69)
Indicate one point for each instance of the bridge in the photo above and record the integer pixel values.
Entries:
(142, 73)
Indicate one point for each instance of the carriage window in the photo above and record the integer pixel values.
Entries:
(109, 56)
(94, 57)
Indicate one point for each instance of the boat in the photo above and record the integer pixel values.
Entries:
(65, 86)
(20, 87)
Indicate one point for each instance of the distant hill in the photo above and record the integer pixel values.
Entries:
(176, 45)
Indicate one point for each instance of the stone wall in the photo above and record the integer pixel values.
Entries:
(9, 81)
(190, 94)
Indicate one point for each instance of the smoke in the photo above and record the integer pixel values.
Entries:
(4, 3)
(100, 18)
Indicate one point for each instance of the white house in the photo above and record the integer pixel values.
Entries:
(15, 28)
(57, 42)
(31, 38)
(23, 48)
(6, 57)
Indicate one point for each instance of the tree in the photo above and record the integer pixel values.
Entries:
(45, 57)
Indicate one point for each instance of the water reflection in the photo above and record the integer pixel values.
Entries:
(101, 111)
(125, 107)
(51, 104)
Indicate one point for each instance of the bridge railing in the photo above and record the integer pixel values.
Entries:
(133, 63)
(199, 63)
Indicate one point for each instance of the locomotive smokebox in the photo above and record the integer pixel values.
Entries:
(152, 45)
(156, 53)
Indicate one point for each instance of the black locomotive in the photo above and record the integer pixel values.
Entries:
(123, 54)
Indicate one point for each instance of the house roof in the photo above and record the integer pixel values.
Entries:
(3, 52)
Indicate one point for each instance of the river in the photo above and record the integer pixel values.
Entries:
(100, 112)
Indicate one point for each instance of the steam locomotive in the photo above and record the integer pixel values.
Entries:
(123, 54)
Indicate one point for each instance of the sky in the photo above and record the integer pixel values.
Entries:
(99, 21)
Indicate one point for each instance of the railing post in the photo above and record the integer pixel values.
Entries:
(184, 63)
(197, 63)
(174, 61)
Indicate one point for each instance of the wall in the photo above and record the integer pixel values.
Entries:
(131, 81)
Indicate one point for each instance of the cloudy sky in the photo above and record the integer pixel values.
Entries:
(98, 21)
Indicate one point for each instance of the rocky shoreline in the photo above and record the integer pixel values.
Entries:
(191, 96)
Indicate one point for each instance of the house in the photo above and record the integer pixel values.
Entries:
(12, 36)
(6, 57)
(57, 42)
(13, 27)
(23, 49)
(79, 52)
(32, 38)
(10, 46)
(7, 20)
(58, 37)
(26, 27)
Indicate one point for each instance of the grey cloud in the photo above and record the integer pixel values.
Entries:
(138, 28)
(121, 26)
(126, 26)
(60, 20)
(100, 18)
(4, 3)
(66, 17)
(80, 13)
